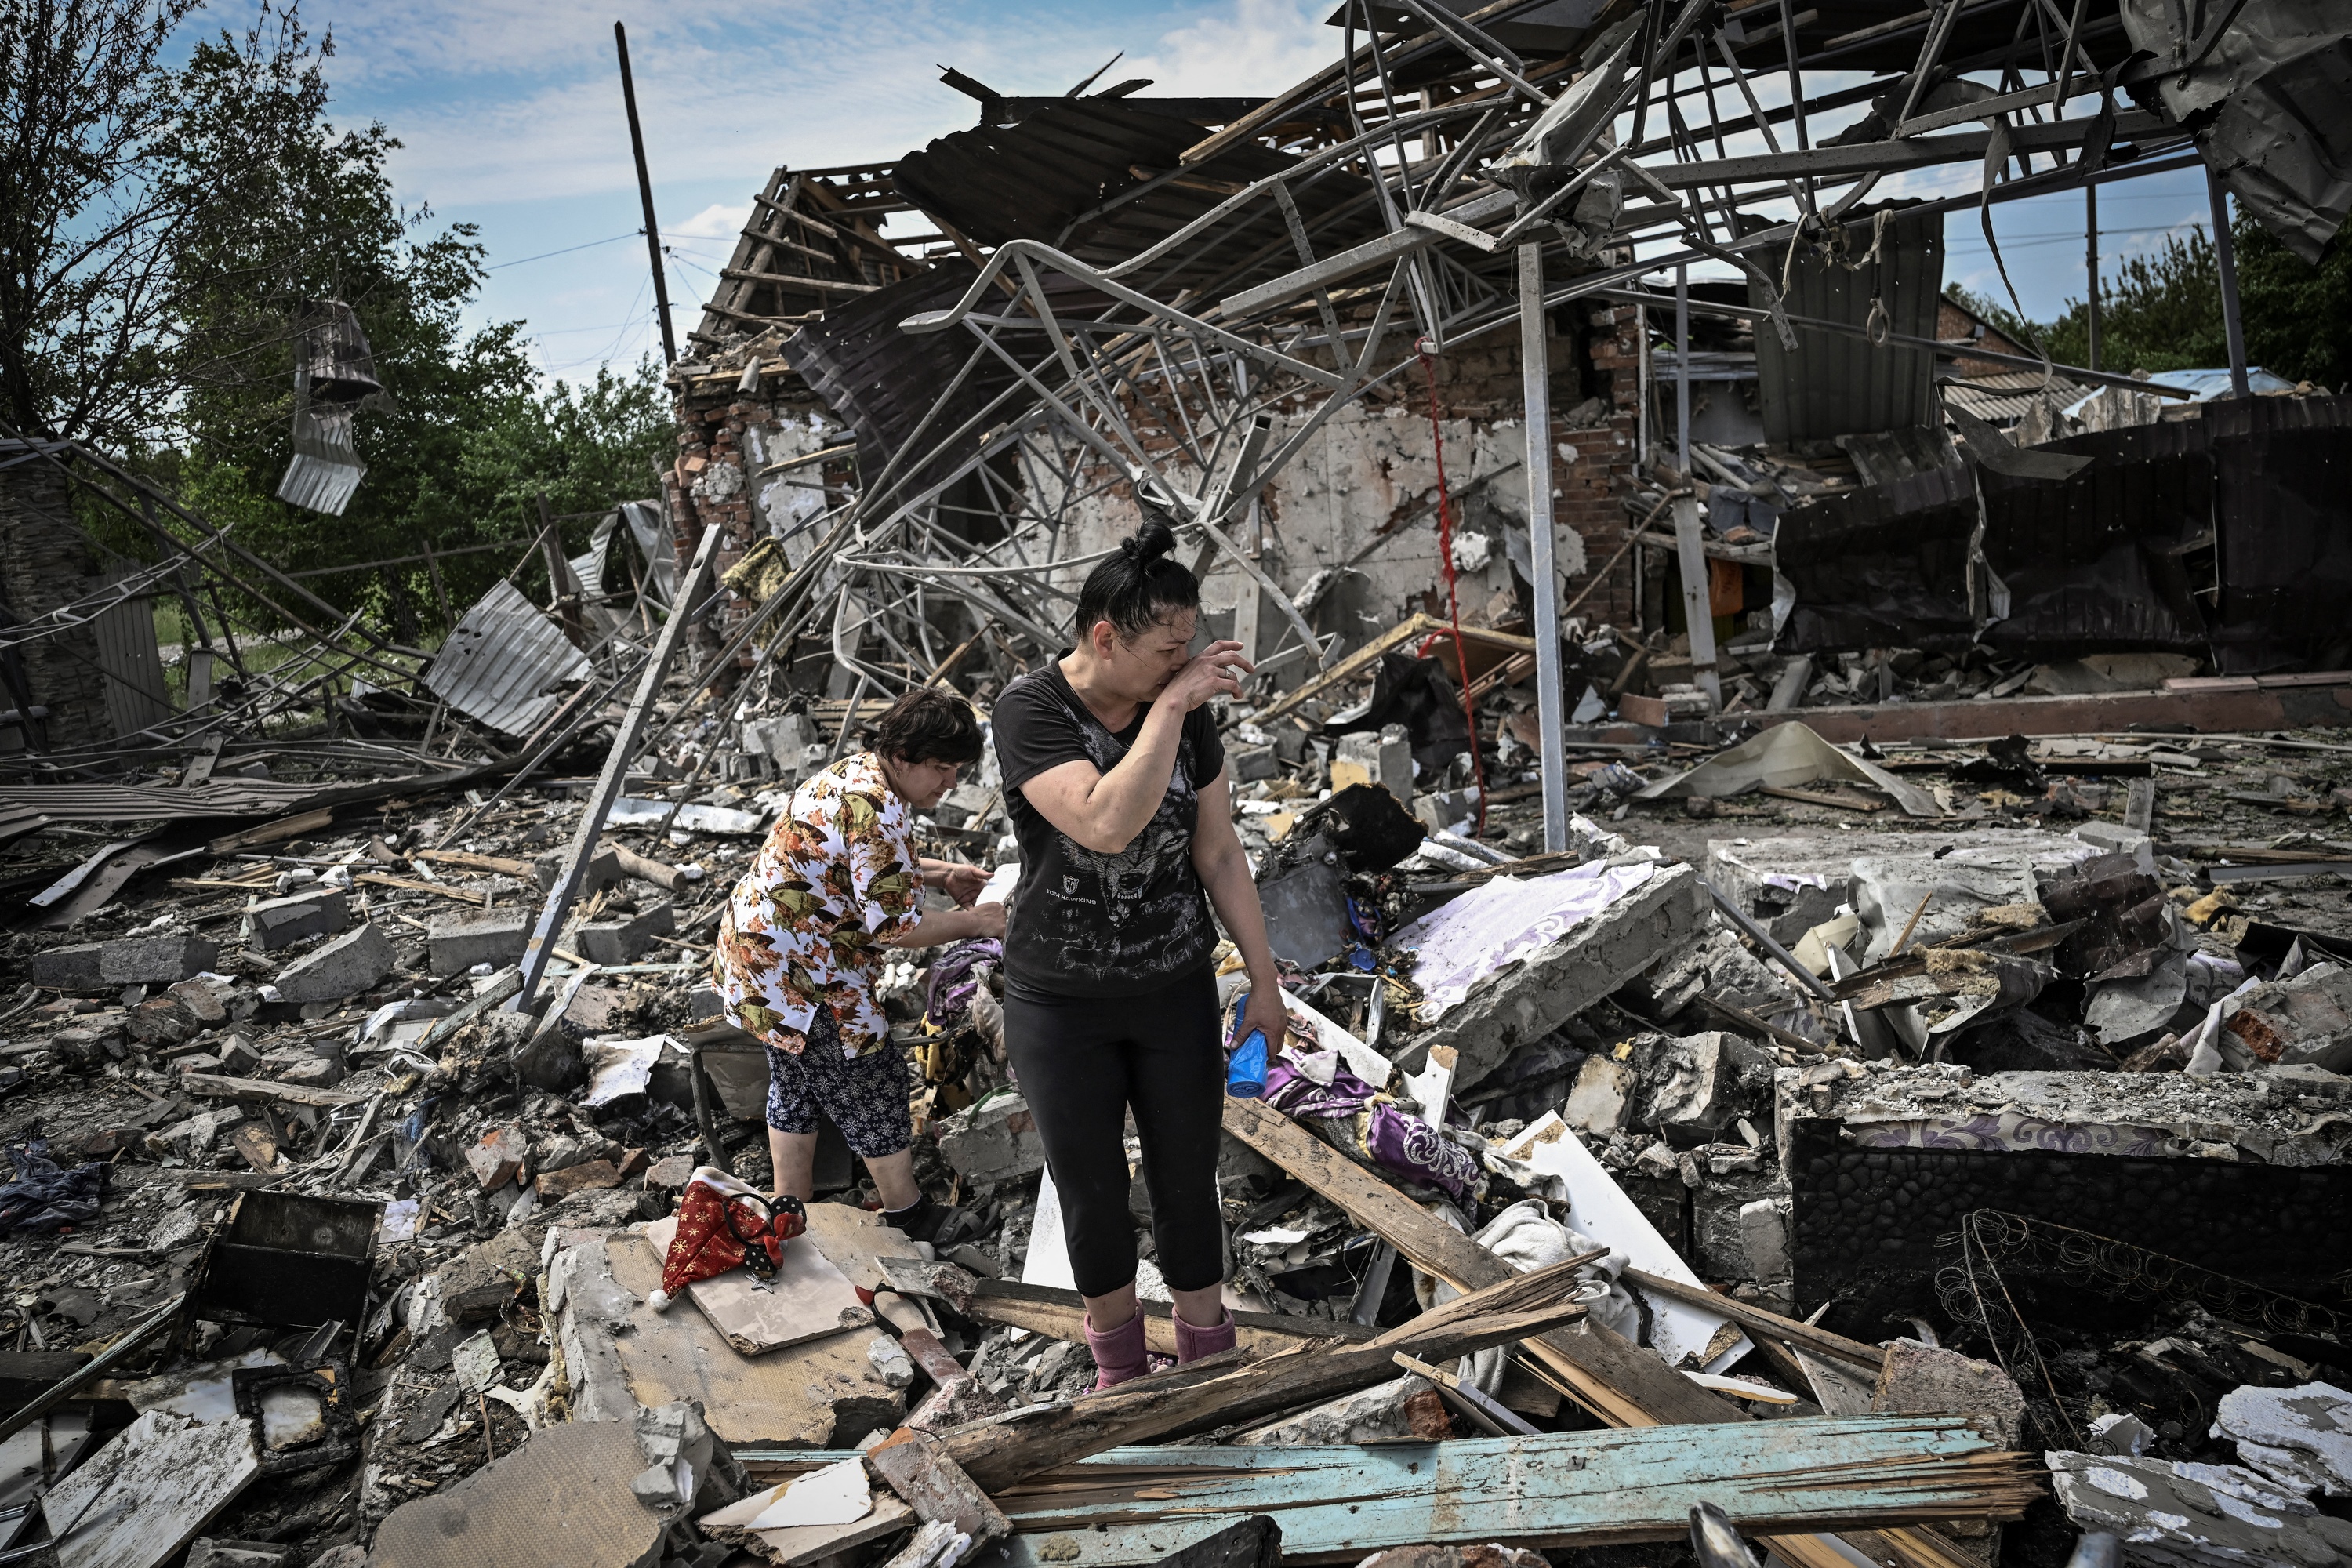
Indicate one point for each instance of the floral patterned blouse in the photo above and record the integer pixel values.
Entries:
(835, 881)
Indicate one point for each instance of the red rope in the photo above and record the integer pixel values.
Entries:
(1453, 599)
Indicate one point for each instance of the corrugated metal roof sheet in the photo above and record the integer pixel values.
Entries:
(2003, 399)
(502, 663)
(1836, 384)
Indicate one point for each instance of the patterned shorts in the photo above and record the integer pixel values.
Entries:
(865, 1096)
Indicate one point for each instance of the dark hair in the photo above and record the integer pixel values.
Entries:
(1140, 586)
(929, 724)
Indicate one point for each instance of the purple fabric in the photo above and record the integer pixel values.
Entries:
(1386, 1136)
(1412, 1148)
(949, 993)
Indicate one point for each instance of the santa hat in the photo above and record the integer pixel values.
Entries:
(725, 1222)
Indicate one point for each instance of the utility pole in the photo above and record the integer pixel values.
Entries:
(645, 194)
(1535, 381)
(2091, 266)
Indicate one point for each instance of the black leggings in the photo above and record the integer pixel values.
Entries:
(1082, 1063)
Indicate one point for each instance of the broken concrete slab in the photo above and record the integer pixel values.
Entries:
(1920, 1380)
(1563, 972)
(353, 962)
(1601, 1102)
(603, 870)
(1408, 1408)
(280, 922)
(1695, 1086)
(455, 944)
(498, 1157)
(2177, 1511)
(626, 941)
(994, 1141)
(561, 1500)
(2300, 1437)
(621, 1354)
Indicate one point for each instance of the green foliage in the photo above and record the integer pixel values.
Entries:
(155, 273)
(2163, 311)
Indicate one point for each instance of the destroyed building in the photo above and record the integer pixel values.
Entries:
(1824, 831)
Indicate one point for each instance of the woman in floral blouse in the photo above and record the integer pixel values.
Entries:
(836, 888)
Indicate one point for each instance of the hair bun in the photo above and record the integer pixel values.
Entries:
(1149, 543)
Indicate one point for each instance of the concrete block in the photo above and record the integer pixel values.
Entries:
(1922, 1380)
(498, 1157)
(65, 968)
(1559, 980)
(280, 922)
(1384, 758)
(203, 1005)
(1409, 1408)
(1603, 1101)
(624, 940)
(1250, 763)
(2175, 1511)
(355, 961)
(455, 943)
(1692, 1088)
(1764, 1233)
(996, 1141)
(155, 959)
(603, 870)
(670, 1173)
(317, 1072)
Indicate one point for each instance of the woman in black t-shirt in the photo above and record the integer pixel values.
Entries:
(1116, 783)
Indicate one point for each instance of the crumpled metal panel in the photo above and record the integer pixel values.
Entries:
(1836, 383)
(502, 665)
(2268, 99)
(1047, 177)
(2227, 535)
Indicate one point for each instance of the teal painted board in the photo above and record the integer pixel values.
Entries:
(1135, 1505)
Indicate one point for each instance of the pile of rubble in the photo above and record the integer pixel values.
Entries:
(1811, 882)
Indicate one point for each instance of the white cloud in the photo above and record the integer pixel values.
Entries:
(1251, 47)
(717, 221)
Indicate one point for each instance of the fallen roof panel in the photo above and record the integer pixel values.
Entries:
(502, 662)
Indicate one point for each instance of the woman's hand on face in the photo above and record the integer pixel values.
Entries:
(1211, 674)
(963, 883)
(1266, 1012)
(988, 921)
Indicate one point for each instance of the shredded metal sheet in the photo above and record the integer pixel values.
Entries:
(502, 665)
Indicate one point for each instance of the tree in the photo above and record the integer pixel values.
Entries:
(164, 225)
(2164, 312)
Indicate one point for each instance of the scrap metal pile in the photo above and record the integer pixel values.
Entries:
(1863, 1079)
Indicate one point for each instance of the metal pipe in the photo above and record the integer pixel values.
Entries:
(2225, 257)
(1763, 939)
(1535, 382)
(645, 194)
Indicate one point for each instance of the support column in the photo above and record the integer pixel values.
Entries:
(2225, 257)
(1535, 373)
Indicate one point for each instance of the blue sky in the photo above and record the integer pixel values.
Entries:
(510, 112)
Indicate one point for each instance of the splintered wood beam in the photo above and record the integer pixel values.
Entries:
(1220, 1391)
(1617, 1381)
(1137, 1506)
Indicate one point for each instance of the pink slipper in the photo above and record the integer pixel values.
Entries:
(1193, 1344)
(1118, 1354)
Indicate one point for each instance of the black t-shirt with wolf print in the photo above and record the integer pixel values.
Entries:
(1087, 924)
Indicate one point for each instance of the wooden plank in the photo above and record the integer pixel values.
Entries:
(217, 1086)
(806, 1298)
(1136, 1506)
(2113, 712)
(416, 885)
(917, 1466)
(285, 828)
(522, 868)
(1615, 1379)
(1218, 1391)
(146, 1494)
(1355, 667)
(1061, 1314)
(1817, 1340)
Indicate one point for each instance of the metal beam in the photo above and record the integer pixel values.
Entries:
(609, 782)
(1535, 381)
(1363, 257)
(1887, 157)
(2225, 257)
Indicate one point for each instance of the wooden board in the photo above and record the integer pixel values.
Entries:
(150, 1491)
(808, 1543)
(1136, 1506)
(806, 1300)
(218, 1086)
(1617, 1379)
